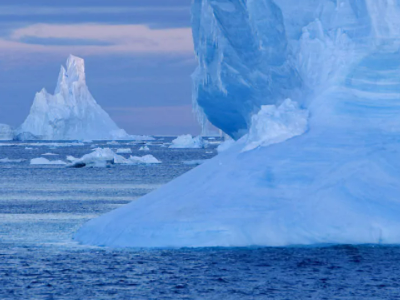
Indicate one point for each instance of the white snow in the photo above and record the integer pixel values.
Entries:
(274, 124)
(187, 141)
(45, 161)
(71, 113)
(6, 132)
(124, 150)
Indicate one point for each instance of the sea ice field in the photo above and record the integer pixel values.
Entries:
(42, 206)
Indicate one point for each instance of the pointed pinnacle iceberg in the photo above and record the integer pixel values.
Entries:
(71, 113)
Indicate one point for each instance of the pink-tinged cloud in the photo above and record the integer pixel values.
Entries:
(119, 38)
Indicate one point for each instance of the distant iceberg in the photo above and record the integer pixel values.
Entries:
(71, 113)
(187, 141)
(6, 132)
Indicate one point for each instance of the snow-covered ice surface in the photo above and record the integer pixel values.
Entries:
(187, 141)
(71, 113)
(41, 206)
(330, 171)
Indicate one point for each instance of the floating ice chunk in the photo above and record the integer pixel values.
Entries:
(71, 158)
(144, 148)
(225, 145)
(147, 159)
(10, 161)
(6, 132)
(49, 154)
(275, 124)
(100, 157)
(187, 141)
(45, 161)
(124, 150)
(113, 143)
(28, 148)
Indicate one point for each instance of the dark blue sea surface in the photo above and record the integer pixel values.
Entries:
(41, 206)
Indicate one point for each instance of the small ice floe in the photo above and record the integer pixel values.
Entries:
(45, 161)
(187, 141)
(144, 148)
(100, 157)
(28, 148)
(105, 157)
(124, 150)
(147, 159)
(11, 161)
(113, 143)
(195, 162)
(49, 154)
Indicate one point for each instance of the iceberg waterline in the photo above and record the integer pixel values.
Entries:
(337, 182)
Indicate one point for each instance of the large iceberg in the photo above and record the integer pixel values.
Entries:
(71, 113)
(332, 172)
(6, 132)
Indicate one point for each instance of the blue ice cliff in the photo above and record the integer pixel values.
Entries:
(311, 92)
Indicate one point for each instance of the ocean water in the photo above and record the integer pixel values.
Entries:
(41, 206)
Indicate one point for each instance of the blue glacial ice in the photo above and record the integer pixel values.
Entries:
(332, 68)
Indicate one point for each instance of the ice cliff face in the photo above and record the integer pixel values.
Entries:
(6, 132)
(260, 52)
(72, 112)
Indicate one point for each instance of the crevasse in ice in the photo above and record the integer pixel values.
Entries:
(71, 113)
(338, 182)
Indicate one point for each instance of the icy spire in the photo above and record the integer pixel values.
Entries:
(62, 80)
(75, 69)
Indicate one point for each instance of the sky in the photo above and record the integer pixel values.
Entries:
(138, 53)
